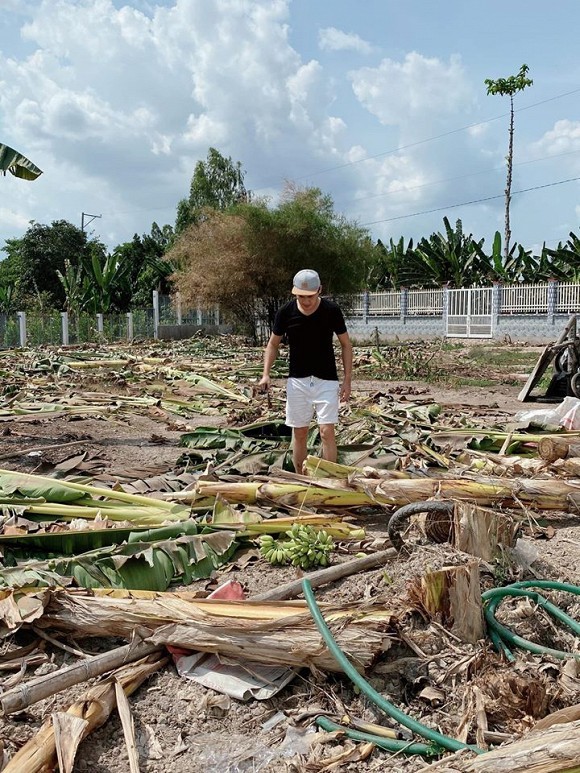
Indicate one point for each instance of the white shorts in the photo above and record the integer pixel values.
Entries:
(309, 394)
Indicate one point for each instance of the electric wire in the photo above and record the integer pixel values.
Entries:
(473, 201)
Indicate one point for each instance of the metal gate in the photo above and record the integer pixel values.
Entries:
(469, 313)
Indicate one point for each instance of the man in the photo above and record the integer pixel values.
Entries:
(309, 322)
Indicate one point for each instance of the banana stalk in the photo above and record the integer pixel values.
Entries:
(537, 493)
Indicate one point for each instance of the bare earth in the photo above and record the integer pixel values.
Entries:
(181, 727)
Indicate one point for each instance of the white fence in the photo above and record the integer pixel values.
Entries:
(545, 298)
(21, 329)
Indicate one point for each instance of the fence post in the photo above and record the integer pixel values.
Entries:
(445, 308)
(495, 304)
(64, 327)
(155, 314)
(100, 326)
(404, 305)
(129, 325)
(22, 327)
(552, 299)
(178, 308)
(365, 306)
(198, 314)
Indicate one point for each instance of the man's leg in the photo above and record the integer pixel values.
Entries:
(299, 439)
(328, 438)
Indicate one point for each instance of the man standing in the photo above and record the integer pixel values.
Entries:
(309, 322)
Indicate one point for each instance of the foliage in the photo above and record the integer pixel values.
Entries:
(217, 183)
(14, 162)
(34, 261)
(244, 259)
(145, 267)
(445, 258)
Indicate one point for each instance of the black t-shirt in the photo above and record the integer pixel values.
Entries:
(310, 338)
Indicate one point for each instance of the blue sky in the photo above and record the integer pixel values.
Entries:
(380, 103)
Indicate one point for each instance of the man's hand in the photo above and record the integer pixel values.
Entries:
(344, 393)
(264, 384)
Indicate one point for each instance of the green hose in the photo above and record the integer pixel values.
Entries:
(389, 744)
(404, 719)
(502, 636)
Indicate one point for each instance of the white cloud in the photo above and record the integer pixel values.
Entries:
(331, 39)
(562, 138)
(416, 88)
(128, 100)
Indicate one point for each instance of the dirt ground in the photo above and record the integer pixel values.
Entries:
(183, 727)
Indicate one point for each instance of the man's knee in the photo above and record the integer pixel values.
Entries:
(326, 432)
(300, 434)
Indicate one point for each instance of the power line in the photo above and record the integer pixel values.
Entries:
(474, 201)
(429, 139)
(405, 189)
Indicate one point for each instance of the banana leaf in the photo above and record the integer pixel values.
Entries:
(17, 164)
(39, 489)
(70, 541)
(136, 565)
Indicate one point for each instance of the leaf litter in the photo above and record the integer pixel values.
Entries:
(216, 432)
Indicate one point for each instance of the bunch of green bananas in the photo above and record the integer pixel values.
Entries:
(273, 550)
(305, 547)
(308, 547)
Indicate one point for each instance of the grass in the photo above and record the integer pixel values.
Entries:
(502, 357)
(456, 364)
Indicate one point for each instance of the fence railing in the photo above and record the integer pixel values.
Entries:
(55, 328)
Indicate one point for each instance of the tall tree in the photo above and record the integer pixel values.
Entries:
(217, 183)
(245, 258)
(509, 87)
(34, 259)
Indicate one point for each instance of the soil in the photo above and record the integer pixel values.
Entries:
(182, 726)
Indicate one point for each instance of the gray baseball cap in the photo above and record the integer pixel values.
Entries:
(306, 282)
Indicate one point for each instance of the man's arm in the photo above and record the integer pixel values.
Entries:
(270, 354)
(346, 349)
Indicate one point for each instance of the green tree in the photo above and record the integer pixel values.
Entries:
(34, 260)
(146, 266)
(245, 258)
(509, 87)
(217, 183)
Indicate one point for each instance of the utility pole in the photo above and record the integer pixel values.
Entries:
(86, 222)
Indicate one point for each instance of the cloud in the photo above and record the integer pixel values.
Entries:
(564, 137)
(398, 93)
(331, 39)
(128, 99)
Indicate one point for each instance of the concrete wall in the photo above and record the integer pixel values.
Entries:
(178, 332)
(531, 328)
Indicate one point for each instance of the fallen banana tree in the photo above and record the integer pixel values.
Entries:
(541, 494)
(38, 495)
(278, 633)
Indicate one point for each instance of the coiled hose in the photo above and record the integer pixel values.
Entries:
(502, 636)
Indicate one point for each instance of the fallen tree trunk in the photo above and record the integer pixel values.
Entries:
(41, 687)
(278, 633)
(94, 708)
(551, 448)
(556, 750)
(538, 493)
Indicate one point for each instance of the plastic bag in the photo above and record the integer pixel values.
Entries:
(566, 414)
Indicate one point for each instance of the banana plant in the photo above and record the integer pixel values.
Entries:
(448, 258)
(104, 280)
